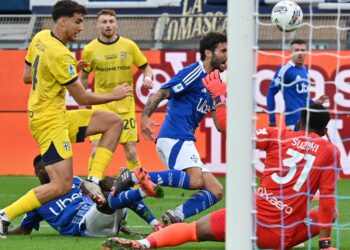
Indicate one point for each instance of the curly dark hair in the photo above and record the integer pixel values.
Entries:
(210, 41)
(67, 8)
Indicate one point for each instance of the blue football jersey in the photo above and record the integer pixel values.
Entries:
(293, 81)
(188, 103)
(63, 214)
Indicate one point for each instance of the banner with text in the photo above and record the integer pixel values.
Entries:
(329, 72)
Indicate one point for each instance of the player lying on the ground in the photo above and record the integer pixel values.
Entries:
(308, 162)
(75, 214)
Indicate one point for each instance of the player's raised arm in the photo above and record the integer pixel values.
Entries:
(83, 97)
(217, 89)
(151, 105)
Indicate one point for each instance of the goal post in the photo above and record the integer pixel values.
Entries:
(240, 175)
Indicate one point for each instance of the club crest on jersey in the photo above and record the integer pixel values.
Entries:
(194, 158)
(71, 70)
(123, 55)
(66, 145)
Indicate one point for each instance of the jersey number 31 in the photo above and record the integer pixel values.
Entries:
(291, 162)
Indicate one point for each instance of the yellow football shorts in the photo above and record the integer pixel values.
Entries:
(129, 133)
(55, 140)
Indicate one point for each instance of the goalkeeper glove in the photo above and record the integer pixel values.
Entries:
(217, 89)
(325, 244)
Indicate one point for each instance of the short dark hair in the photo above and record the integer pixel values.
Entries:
(40, 170)
(297, 41)
(316, 117)
(210, 41)
(106, 12)
(67, 8)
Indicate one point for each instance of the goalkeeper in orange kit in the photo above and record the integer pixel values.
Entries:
(286, 222)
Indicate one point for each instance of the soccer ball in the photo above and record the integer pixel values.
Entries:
(287, 15)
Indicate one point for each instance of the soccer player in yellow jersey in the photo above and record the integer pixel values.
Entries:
(112, 57)
(51, 69)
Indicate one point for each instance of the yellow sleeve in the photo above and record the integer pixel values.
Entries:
(87, 56)
(139, 57)
(64, 68)
(29, 56)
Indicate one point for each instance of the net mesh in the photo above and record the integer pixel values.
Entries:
(327, 39)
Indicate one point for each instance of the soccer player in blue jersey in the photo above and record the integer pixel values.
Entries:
(292, 79)
(75, 214)
(188, 103)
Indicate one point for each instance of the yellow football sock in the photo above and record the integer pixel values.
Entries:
(103, 157)
(90, 164)
(26, 203)
(133, 164)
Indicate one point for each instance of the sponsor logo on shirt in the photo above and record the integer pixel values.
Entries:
(203, 106)
(274, 201)
(62, 203)
(115, 68)
(111, 56)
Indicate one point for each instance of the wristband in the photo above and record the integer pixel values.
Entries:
(220, 99)
(147, 78)
(324, 243)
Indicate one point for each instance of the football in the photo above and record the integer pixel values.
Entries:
(286, 15)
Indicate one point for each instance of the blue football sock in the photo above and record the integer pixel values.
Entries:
(141, 209)
(123, 199)
(197, 203)
(171, 178)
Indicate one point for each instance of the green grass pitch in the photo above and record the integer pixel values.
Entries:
(11, 187)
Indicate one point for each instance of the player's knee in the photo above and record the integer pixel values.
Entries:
(219, 193)
(196, 182)
(216, 188)
(116, 123)
(62, 188)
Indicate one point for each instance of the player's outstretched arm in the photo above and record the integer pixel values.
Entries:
(20, 230)
(217, 89)
(151, 105)
(83, 97)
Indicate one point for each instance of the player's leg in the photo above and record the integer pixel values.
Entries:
(209, 228)
(97, 224)
(308, 229)
(123, 183)
(132, 159)
(187, 159)
(57, 154)
(129, 139)
(110, 126)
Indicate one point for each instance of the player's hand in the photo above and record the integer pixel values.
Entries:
(82, 64)
(272, 124)
(147, 82)
(212, 82)
(122, 91)
(147, 128)
(322, 99)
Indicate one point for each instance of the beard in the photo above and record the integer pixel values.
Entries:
(216, 64)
